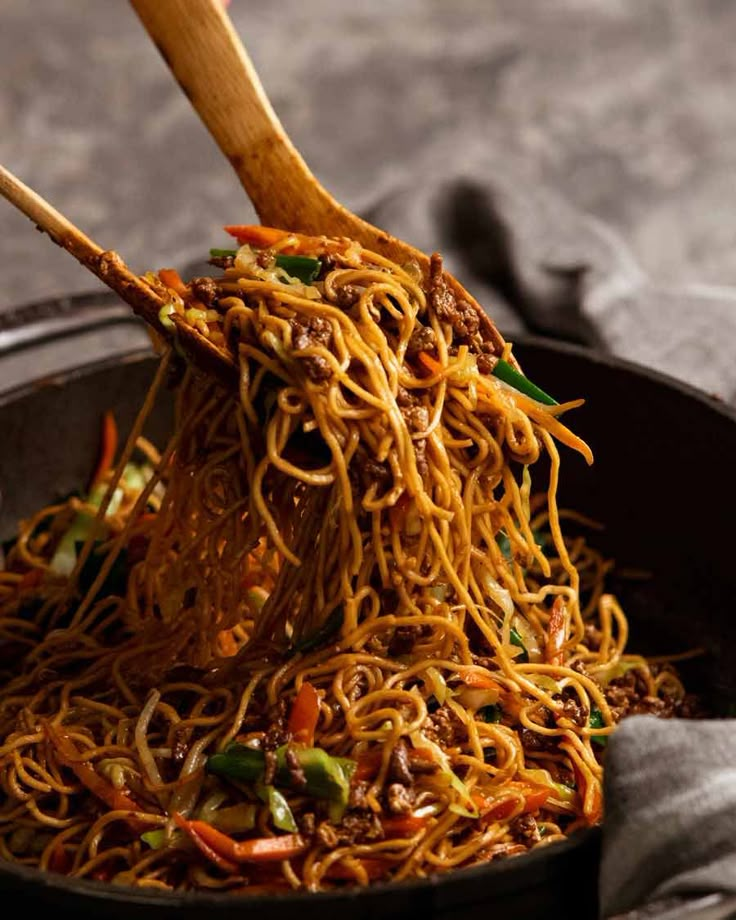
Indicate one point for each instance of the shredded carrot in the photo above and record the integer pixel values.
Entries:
(172, 279)
(547, 421)
(432, 364)
(473, 677)
(258, 850)
(266, 237)
(304, 714)
(108, 448)
(403, 825)
(556, 632)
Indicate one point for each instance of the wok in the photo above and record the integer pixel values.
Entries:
(661, 483)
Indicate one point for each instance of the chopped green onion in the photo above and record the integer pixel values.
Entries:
(304, 268)
(279, 808)
(155, 839)
(516, 640)
(504, 371)
(596, 721)
(491, 713)
(222, 253)
(327, 777)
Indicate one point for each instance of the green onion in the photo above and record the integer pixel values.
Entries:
(304, 268)
(155, 838)
(596, 721)
(491, 713)
(222, 253)
(279, 808)
(516, 640)
(327, 777)
(504, 371)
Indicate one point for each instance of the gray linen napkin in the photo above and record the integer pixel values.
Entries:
(669, 837)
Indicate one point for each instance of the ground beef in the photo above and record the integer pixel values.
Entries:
(416, 418)
(347, 296)
(223, 262)
(421, 339)
(536, 743)
(354, 828)
(420, 452)
(404, 639)
(205, 290)
(444, 727)
(308, 824)
(365, 472)
(357, 797)
(441, 298)
(269, 767)
(398, 766)
(297, 778)
(572, 707)
(486, 363)
(628, 695)
(400, 799)
(264, 258)
(406, 398)
(524, 830)
(306, 333)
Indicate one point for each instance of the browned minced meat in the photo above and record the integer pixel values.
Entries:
(628, 695)
(462, 316)
(416, 417)
(536, 743)
(308, 824)
(398, 766)
(365, 472)
(205, 290)
(357, 797)
(264, 258)
(404, 639)
(297, 777)
(400, 799)
(347, 296)
(306, 333)
(223, 262)
(572, 708)
(486, 363)
(354, 828)
(445, 727)
(421, 339)
(524, 830)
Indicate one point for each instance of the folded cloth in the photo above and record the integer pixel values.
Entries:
(669, 837)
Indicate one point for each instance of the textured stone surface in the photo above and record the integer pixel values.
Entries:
(590, 145)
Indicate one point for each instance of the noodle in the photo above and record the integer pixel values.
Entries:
(334, 632)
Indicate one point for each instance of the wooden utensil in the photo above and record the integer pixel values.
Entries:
(109, 267)
(198, 42)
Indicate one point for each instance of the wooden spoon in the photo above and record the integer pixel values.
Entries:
(197, 40)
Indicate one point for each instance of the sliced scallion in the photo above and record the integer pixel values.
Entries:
(304, 268)
(504, 371)
(222, 253)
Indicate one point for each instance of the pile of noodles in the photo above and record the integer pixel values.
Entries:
(311, 530)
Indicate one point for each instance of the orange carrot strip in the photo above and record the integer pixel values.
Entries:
(108, 447)
(432, 364)
(213, 855)
(304, 714)
(472, 677)
(547, 421)
(493, 810)
(258, 850)
(172, 279)
(265, 237)
(68, 754)
(373, 868)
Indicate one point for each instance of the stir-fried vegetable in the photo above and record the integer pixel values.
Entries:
(326, 777)
(304, 268)
(504, 371)
(227, 853)
(304, 715)
(281, 814)
(596, 721)
(515, 639)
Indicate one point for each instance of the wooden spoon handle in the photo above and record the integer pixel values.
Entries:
(201, 47)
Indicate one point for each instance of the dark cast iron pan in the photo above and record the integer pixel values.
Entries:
(662, 483)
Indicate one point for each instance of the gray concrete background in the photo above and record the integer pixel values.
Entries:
(604, 131)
